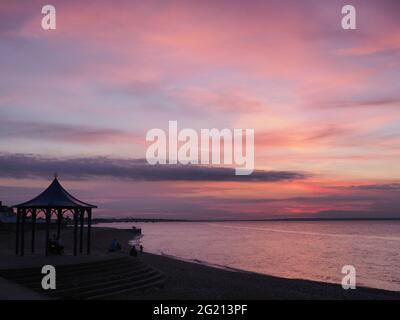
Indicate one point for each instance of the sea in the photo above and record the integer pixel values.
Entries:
(312, 250)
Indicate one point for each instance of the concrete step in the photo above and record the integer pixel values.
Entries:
(73, 268)
(35, 273)
(93, 277)
(121, 294)
(126, 286)
(109, 282)
(100, 279)
(70, 275)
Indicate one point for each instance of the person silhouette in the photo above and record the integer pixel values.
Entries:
(113, 245)
(133, 251)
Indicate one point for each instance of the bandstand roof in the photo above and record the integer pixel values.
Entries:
(55, 196)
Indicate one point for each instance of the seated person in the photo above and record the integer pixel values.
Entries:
(133, 251)
(114, 246)
(52, 244)
(60, 246)
(118, 247)
(56, 246)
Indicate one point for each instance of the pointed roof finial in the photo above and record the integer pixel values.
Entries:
(55, 175)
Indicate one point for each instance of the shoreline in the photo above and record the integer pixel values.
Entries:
(194, 280)
(201, 262)
(232, 269)
(191, 280)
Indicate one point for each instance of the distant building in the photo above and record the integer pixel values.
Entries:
(6, 214)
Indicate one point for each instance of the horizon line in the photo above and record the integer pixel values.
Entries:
(96, 220)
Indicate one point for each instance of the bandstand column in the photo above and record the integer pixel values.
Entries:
(48, 221)
(33, 215)
(23, 232)
(17, 231)
(59, 219)
(76, 217)
(82, 219)
(89, 226)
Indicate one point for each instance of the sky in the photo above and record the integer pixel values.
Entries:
(324, 103)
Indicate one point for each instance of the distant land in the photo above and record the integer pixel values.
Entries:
(152, 220)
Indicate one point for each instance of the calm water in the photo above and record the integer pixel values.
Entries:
(306, 250)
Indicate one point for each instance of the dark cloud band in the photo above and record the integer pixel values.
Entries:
(28, 165)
